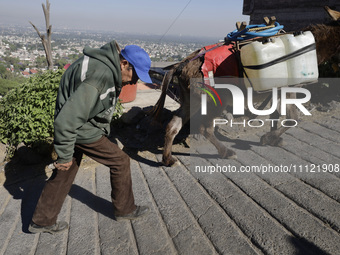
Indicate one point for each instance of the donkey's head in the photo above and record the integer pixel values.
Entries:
(327, 37)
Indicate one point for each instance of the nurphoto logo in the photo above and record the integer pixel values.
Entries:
(241, 101)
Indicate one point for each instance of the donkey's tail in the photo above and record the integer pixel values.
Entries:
(158, 108)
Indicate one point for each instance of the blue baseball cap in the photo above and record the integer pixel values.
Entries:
(140, 61)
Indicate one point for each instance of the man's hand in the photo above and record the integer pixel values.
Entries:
(63, 167)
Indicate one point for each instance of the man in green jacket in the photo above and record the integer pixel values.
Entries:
(86, 100)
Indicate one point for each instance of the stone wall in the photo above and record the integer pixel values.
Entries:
(293, 14)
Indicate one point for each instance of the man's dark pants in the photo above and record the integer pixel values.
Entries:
(59, 185)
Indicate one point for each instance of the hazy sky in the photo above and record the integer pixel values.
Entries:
(207, 18)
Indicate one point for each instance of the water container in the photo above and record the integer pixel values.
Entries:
(303, 68)
(258, 53)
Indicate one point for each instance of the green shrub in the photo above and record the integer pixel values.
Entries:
(118, 112)
(7, 85)
(26, 113)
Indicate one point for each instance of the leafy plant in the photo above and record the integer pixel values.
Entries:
(119, 111)
(7, 85)
(26, 113)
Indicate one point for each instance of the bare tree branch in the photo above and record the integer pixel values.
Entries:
(46, 41)
(36, 29)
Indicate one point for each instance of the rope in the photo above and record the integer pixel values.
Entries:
(251, 32)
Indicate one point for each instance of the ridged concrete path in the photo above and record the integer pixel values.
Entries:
(195, 213)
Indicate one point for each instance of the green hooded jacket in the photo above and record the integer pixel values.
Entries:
(86, 99)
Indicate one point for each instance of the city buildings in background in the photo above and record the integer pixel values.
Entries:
(21, 50)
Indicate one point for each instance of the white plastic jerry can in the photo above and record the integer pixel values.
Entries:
(259, 53)
(302, 68)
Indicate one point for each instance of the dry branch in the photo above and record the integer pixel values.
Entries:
(46, 40)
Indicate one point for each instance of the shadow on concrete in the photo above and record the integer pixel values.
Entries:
(305, 247)
(97, 204)
(237, 143)
(133, 153)
(25, 183)
(146, 135)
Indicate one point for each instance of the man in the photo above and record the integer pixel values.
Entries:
(86, 101)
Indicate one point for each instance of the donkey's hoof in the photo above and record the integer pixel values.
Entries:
(229, 154)
(170, 161)
(232, 157)
(272, 140)
(281, 143)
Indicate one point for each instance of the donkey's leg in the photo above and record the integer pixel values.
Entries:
(175, 125)
(172, 130)
(273, 137)
(180, 118)
(207, 129)
(221, 148)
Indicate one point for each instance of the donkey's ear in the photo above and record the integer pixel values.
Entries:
(334, 14)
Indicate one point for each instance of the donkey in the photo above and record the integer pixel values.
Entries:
(327, 38)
